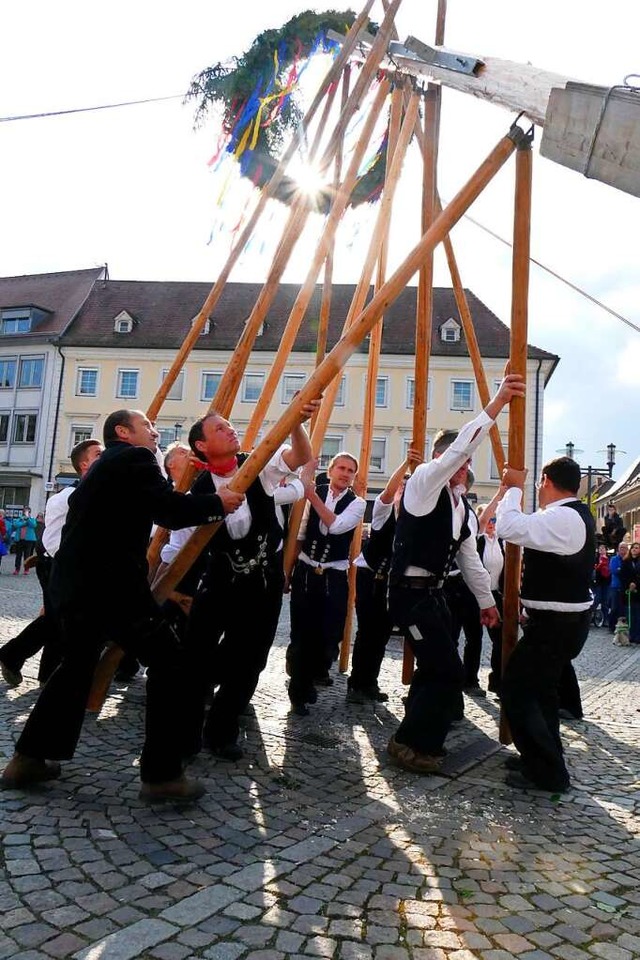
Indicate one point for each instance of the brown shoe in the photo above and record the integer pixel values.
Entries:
(24, 771)
(410, 759)
(181, 790)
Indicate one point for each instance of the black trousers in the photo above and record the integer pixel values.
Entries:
(374, 628)
(495, 635)
(435, 692)
(465, 615)
(318, 614)
(24, 549)
(42, 633)
(54, 725)
(530, 691)
(229, 634)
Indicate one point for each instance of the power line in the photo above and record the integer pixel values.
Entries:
(557, 276)
(105, 106)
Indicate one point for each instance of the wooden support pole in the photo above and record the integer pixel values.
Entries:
(517, 408)
(375, 344)
(306, 291)
(267, 193)
(336, 359)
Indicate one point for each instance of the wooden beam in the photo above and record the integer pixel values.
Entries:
(336, 359)
(517, 408)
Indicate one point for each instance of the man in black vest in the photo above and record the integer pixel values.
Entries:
(433, 530)
(100, 592)
(235, 612)
(559, 547)
(319, 585)
(372, 586)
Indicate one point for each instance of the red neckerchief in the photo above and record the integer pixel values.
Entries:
(221, 470)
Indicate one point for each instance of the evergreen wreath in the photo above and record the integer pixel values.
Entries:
(257, 95)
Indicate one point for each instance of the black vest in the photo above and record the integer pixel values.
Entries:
(551, 577)
(327, 547)
(427, 541)
(377, 549)
(259, 546)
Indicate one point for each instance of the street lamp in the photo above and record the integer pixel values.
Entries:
(591, 472)
(611, 458)
(177, 430)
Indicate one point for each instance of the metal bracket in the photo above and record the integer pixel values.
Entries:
(522, 138)
(415, 49)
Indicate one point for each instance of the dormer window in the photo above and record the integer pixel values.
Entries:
(450, 331)
(206, 328)
(20, 319)
(123, 323)
(260, 329)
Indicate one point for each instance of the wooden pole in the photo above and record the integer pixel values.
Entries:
(306, 291)
(336, 359)
(268, 191)
(517, 408)
(375, 343)
(227, 390)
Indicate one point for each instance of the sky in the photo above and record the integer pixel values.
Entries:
(132, 186)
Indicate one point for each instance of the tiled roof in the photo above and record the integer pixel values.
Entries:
(61, 294)
(163, 311)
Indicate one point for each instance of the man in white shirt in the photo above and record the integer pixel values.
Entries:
(433, 530)
(319, 585)
(42, 633)
(559, 550)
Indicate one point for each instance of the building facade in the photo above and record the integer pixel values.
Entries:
(125, 337)
(35, 311)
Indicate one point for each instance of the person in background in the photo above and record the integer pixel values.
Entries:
(613, 530)
(630, 577)
(4, 548)
(615, 600)
(319, 585)
(602, 579)
(24, 536)
(491, 550)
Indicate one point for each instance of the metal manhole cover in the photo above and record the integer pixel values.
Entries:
(317, 739)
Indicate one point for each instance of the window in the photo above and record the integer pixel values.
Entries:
(31, 370)
(462, 395)
(382, 391)
(206, 328)
(176, 390)
(16, 321)
(411, 393)
(7, 373)
(252, 387)
(167, 436)
(79, 434)
(127, 384)
(87, 382)
(14, 498)
(123, 323)
(24, 427)
(340, 395)
(494, 473)
(406, 443)
(378, 456)
(291, 383)
(210, 383)
(450, 331)
(330, 446)
(4, 427)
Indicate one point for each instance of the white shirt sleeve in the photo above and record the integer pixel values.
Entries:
(292, 491)
(348, 519)
(275, 471)
(381, 513)
(423, 487)
(55, 515)
(552, 530)
(176, 542)
(474, 573)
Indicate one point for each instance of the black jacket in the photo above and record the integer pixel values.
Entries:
(102, 555)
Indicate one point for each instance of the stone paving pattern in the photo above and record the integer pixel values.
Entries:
(314, 846)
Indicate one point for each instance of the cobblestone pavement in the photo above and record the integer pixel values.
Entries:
(314, 846)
